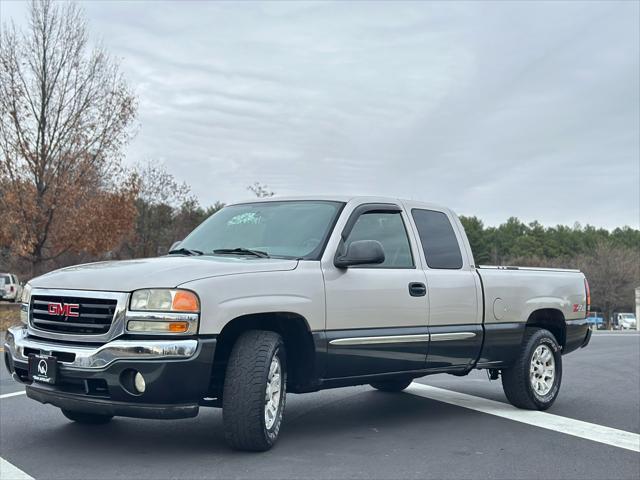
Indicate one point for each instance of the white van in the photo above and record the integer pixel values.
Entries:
(625, 321)
(10, 288)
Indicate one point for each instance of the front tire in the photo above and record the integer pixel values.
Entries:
(392, 386)
(533, 382)
(86, 418)
(254, 394)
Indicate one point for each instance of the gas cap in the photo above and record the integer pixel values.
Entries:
(500, 309)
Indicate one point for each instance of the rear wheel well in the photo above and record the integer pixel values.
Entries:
(298, 342)
(552, 320)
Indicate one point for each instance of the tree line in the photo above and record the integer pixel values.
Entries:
(515, 239)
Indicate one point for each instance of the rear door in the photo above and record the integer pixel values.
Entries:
(454, 290)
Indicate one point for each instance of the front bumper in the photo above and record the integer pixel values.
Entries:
(97, 379)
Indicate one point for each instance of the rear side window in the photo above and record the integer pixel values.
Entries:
(388, 229)
(438, 239)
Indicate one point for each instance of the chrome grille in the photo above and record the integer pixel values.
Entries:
(94, 315)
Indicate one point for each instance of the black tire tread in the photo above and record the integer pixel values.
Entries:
(243, 394)
(515, 379)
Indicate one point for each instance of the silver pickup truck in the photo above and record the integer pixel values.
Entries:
(292, 295)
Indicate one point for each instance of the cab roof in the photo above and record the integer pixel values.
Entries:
(344, 199)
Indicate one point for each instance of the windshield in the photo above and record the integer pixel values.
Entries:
(287, 229)
(4, 279)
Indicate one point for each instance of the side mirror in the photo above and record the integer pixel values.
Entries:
(361, 252)
(175, 245)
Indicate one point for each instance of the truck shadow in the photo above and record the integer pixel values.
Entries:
(312, 419)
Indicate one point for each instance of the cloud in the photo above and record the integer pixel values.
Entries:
(497, 109)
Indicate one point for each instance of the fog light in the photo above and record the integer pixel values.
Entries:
(139, 383)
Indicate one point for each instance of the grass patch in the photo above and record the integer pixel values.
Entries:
(9, 318)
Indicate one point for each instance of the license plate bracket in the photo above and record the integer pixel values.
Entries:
(43, 368)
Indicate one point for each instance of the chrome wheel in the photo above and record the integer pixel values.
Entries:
(273, 393)
(542, 371)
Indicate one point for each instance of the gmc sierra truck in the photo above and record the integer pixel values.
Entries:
(292, 295)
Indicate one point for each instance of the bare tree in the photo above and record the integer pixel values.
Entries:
(260, 191)
(65, 115)
(160, 196)
(613, 273)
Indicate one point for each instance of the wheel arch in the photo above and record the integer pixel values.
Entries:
(551, 319)
(299, 344)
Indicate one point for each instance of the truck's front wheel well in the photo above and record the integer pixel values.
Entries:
(552, 320)
(298, 341)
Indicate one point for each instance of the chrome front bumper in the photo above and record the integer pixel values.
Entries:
(99, 357)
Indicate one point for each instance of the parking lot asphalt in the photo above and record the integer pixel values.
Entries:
(353, 433)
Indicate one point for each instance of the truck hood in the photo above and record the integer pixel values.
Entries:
(160, 272)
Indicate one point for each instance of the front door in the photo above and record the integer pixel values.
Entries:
(377, 314)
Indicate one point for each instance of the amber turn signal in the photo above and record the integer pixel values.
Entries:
(185, 301)
(178, 327)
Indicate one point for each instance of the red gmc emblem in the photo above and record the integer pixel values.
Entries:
(64, 309)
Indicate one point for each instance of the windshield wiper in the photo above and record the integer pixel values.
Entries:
(241, 251)
(184, 251)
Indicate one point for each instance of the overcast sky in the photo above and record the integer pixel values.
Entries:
(495, 109)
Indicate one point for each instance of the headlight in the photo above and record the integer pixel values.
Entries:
(26, 294)
(164, 300)
(163, 311)
(25, 300)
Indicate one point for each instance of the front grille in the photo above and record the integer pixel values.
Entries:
(94, 315)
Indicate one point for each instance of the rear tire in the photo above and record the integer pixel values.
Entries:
(392, 386)
(533, 382)
(254, 394)
(86, 418)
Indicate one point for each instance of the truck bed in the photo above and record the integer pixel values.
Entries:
(511, 294)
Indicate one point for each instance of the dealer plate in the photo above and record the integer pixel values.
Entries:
(43, 368)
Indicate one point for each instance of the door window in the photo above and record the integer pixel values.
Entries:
(438, 239)
(388, 229)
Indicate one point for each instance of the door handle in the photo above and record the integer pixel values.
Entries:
(417, 289)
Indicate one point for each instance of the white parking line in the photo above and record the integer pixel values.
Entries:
(8, 471)
(577, 428)
(12, 394)
(619, 335)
